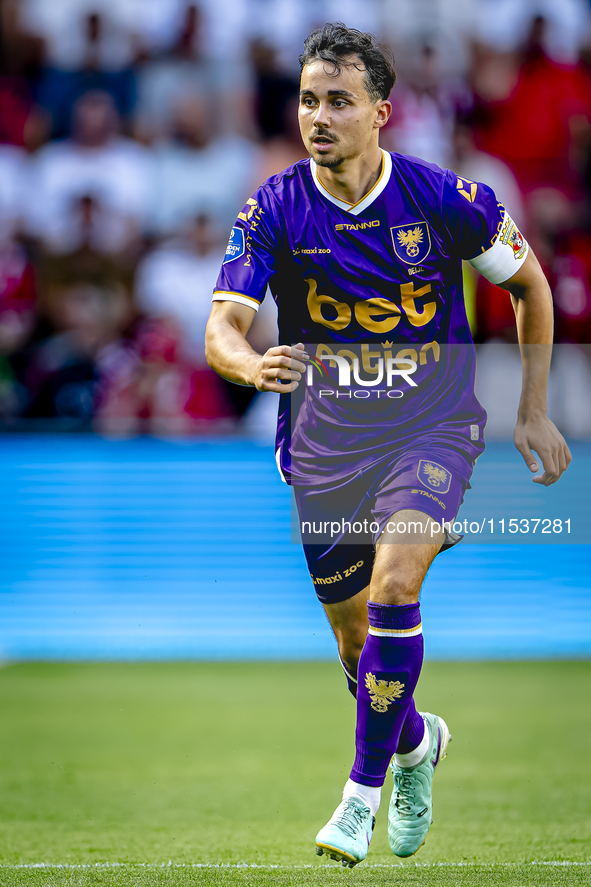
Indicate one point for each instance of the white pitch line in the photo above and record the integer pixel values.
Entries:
(271, 867)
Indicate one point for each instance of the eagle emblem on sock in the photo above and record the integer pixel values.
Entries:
(382, 693)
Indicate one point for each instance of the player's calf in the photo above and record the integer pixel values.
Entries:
(348, 620)
(351, 677)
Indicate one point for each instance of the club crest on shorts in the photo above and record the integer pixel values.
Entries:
(412, 242)
(433, 476)
(382, 693)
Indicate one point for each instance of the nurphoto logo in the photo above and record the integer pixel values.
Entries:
(387, 371)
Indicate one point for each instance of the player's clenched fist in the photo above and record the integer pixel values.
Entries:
(280, 368)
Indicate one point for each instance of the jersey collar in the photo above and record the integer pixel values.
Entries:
(356, 208)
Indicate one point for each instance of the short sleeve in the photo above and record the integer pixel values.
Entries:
(481, 230)
(251, 255)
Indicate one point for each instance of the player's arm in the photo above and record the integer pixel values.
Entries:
(485, 235)
(532, 303)
(229, 354)
(249, 265)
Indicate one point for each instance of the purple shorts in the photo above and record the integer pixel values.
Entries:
(340, 524)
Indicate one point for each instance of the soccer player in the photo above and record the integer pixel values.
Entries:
(361, 250)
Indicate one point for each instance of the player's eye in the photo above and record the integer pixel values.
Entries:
(340, 103)
(308, 102)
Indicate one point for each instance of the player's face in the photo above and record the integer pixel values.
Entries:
(338, 119)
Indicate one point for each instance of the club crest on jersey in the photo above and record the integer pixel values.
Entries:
(434, 476)
(236, 245)
(412, 243)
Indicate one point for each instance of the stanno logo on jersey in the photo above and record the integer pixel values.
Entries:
(412, 242)
(430, 496)
(236, 245)
(359, 226)
(434, 476)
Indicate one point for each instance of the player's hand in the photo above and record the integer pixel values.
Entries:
(280, 368)
(542, 435)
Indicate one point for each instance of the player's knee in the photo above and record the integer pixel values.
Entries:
(394, 587)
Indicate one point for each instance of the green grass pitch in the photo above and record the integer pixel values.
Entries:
(221, 774)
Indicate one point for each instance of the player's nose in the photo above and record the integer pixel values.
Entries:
(322, 116)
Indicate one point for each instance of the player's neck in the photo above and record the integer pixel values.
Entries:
(355, 178)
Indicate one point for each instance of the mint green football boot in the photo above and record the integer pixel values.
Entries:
(347, 835)
(411, 805)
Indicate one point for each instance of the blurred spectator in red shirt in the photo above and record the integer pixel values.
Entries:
(17, 319)
(528, 111)
(562, 239)
(21, 56)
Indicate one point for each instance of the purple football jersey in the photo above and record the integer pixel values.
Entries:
(375, 292)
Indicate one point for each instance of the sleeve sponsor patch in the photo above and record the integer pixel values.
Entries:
(467, 189)
(236, 245)
(506, 255)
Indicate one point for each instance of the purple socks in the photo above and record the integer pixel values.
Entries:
(414, 726)
(413, 731)
(389, 669)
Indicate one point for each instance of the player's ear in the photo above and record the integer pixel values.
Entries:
(383, 111)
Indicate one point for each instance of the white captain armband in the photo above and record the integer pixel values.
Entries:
(506, 255)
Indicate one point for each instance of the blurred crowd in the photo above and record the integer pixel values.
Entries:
(132, 132)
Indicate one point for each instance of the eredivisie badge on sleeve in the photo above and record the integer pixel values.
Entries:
(236, 245)
(412, 242)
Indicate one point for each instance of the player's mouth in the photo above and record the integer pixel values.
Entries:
(321, 143)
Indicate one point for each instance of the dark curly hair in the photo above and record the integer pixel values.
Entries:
(335, 43)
